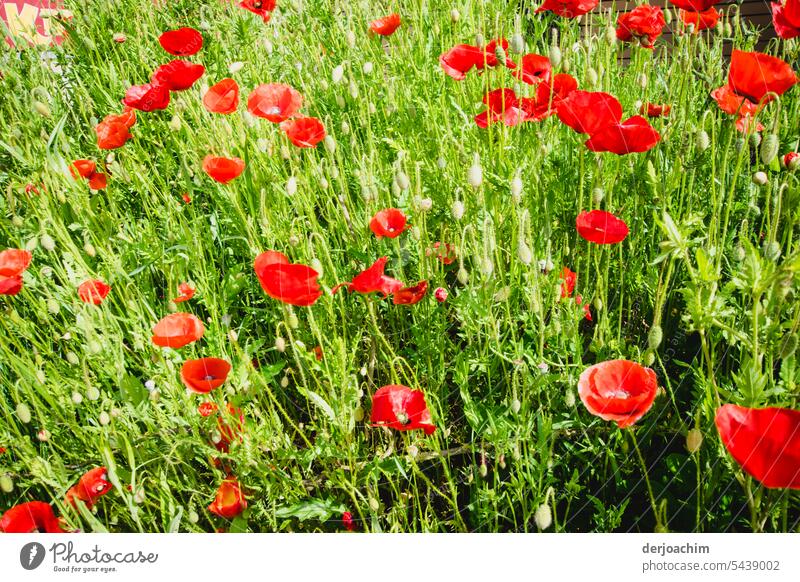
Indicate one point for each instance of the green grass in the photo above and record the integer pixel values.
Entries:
(498, 361)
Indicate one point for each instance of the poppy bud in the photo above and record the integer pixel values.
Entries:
(569, 398)
(77, 397)
(524, 253)
(6, 484)
(316, 264)
(642, 80)
(760, 178)
(353, 88)
(402, 181)
(92, 393)
(338, 74)
(649, 358)
(345, 128)
(351, 38)
(739, 253)
(487, 266)
(516, 405)
(702, 141)
(441, 163)
(47, 242)
(138, 497)
(23, 413)
(280, 344)
(480, 40)
(516, 189)
(193, 517)
(458, 210)
(440, 294)
(43, 435)
(591, 77)
(475, 173)
(598, 304)
(694, 439)
(555, 56)
(284, 382)
(654, 337)
(53, 307)
(772, 251)
(72, 358)
(755, 139)
(517, 44)
(455, 16)
(104, 419)
(788, 346)
(412, 451)
(235, 67)
(293, 321)
(463, 276)
(41, 109)
(769, 148)
(374, 504)
(543, 516)
(565, 65)
(330, 144)
(291, 186)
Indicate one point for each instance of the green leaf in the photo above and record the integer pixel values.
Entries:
(131, 390)
(319, 509)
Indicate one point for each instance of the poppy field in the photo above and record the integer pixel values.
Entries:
(400, 266)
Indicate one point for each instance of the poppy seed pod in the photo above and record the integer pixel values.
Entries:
(760, 178)
(655, 337)
(694, 440)
(769, 148)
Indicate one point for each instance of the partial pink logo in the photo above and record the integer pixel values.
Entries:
(32, 21)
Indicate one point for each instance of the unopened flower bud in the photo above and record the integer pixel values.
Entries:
(694, 439)
(555, 56)
(543, 516)
(291, 186)
(455, 16)
(769, 148)
(440, 294)
(23, 413)
(475, 173)
(41, 108)
(458, 210)
(655, 337)
(517, 44)
(760, 178)
(702, 141)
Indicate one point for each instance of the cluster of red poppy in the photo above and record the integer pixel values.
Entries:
(13, 263)
(87, 170)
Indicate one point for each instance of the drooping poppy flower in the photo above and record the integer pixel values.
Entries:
(373, 280)
(445, 253)
(114, 131)
(385, 26)
(410, 295)
(90, 487)
(177, 330)
(533, 69)
(754, 74)
(644, 22)
(347, 521)
(589, 111)
(694, 5)
(186, 292)
(294, 284)
(182, 42)
(82, 169)
(223, 170)
(147, 97)
(601, 227)
(618, 390)
(229, 501)
(262, 8)
(205, 374)
(568, 280)
(275, 102)
(786, 18)
(634, 135)
(93, 291)
(13, 262)
(401, 408)
(178, 75)
(98, 181)
(568, 8)
(304, 132)
(653, 110)
(389, 223)
(764, 441)
(222, 97)
(587, 314)
(700, 20)
(30, 517)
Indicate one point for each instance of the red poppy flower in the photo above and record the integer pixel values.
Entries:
(274, 102)
(223, 170)
(786, 18)
(410, 295)
(304, 132)
(294, 284)
(91, 486)
(318, 353)
(372, 280)
(389, 223)
(182, 42)
(745, 125)
(31, 517)
(587, 314)
(222, 97)
(618, 390)
(93, 291)
(177, 330)
(82, 168)
(262, 8)
(568, 280)
(764, 441)
(206, 409)
(98, 181)
(178, 75)
(791, 160)
(503, 105)
(754, 74)
(444, 252)
(589, 111)
(694, 5)
(13, 262)
(700, 20)
(533, 69)
(460, 59)
(147, 97)
(205, 374)
(644, 22)
(347, 521)
(568, 8)
(550, 94)
(186, 198)
(229, 501)
(111, 135)
(653, 110)
(186, 292)
(401, 408)
(634, 135)
(10, 285)
(385, 26)
(733, 104)
(601, 227)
